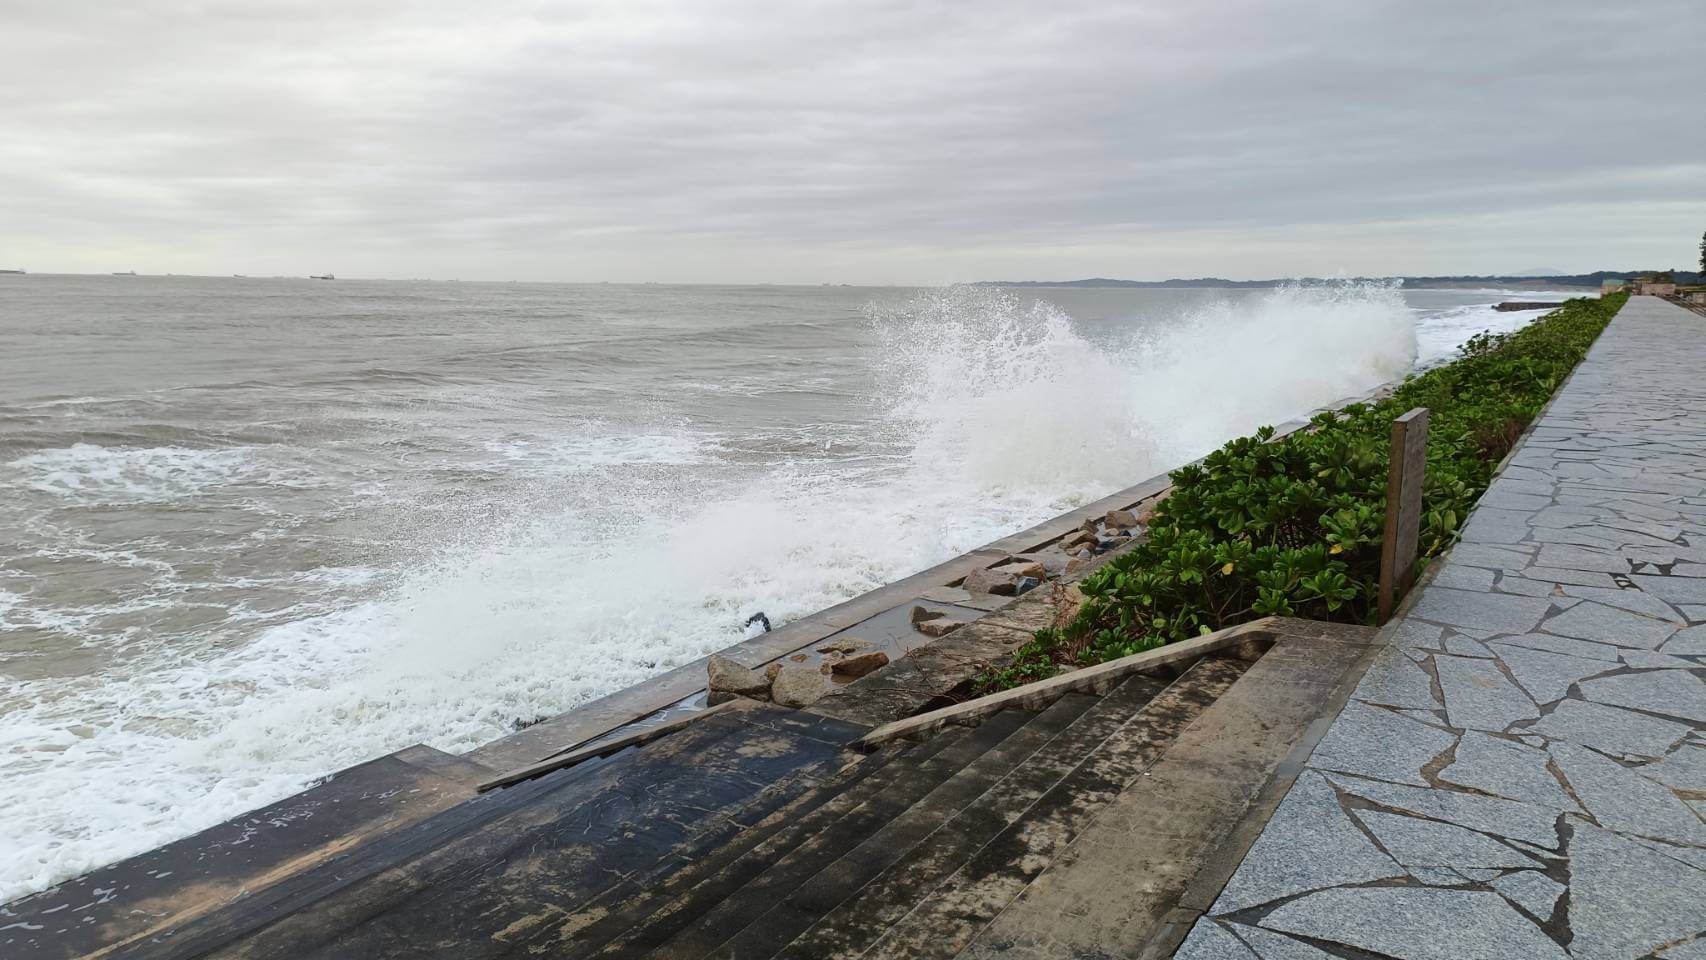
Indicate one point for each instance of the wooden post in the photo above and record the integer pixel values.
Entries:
(1403, 507)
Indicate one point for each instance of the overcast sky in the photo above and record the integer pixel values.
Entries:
(855, 142)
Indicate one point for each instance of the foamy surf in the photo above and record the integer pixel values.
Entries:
(604, 552)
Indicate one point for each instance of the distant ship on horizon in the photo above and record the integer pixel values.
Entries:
(322, 276)
(12, 271)
(124, 273)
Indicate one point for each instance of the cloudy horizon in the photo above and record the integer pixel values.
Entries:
(880, 142)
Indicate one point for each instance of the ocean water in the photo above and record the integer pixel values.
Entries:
(254, 531)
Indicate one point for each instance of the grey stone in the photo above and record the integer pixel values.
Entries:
(1496, 612)
(1610, 729)
(1511, 583)
(1623, 801)
(1632, 600)
(1586, 578)
(1535, 892)
(1579, 558)
(1685, 769)
(1565, 645)
(1377, 743)
(1548, 676)
(1209, 941)
(1654, 660)
(1394, 680)
(1687, 643)
(1417, 923)
(1437, 876)
(1596, 621)
(1478, 697)
(1693, 856)
(1506, 818)
(1488, 524)
(1673, 589)
(1275, 946)
(1467, 647)
(1490, 556)
(1505, 769)
(1423, 843)
(1460, 577)
(1308, 844)
(1625, 900)
(1673, 693)
(1414, 633)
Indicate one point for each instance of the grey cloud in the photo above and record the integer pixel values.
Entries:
(875, 141)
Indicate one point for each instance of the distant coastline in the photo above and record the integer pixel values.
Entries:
(1535, 282)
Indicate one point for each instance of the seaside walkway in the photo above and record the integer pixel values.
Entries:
(1522, 771)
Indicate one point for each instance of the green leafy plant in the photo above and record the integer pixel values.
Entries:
(1293, 526)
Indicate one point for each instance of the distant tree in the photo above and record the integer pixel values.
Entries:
(1703, 254)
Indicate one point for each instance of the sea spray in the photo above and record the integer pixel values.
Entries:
(998, 393)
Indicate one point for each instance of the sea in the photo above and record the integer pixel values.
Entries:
(256, 530)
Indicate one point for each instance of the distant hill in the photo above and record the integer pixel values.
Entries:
(1504, 280)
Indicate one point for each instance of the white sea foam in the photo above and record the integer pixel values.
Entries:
(999, 413)
(93, 473)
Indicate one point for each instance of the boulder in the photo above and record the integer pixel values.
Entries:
(1089, 526)
(1074, 566)
(729, 681)
(859, 665)
(1120, 519)
(845, 646)
(1070, 542)
(1023, 568)
(772, 670)
(939, 627)
(1027, 584)
(922, 613)
(990, 581)
(797, 686)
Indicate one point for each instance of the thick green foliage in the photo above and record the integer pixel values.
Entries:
(1292, 527)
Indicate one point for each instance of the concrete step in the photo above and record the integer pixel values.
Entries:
(184, 882)
(484, 874)
(957, 909)
(671, 902)
(738, 906)
(1134, 882)
(972, 792)
(720, 850)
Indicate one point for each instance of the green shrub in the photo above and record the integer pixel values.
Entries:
(1293, 527)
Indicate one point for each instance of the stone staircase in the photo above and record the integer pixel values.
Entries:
(988, 829)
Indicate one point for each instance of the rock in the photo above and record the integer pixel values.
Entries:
(1071, 541)
(1074, 566)
(1147, 514)
(1084, 553)
(772, 670)
(1120, 519)
(858, 666)
(729, 681)
(797, 686)
(1089, 526)
(799, 658)
(1027, 584)
(849, 646)
(921, 614)
(940, 627)
(1023, 568)
(990, 581)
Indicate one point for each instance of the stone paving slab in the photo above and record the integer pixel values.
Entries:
(1522, 772)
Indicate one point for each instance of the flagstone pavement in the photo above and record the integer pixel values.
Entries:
(1522, 771)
